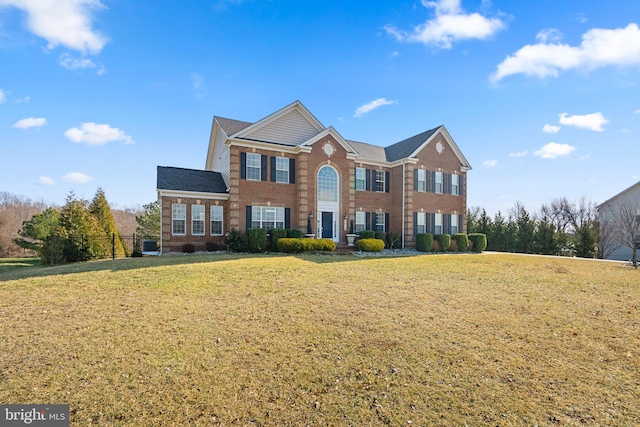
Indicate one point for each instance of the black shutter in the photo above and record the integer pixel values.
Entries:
(248, 219)
(367, 221)
(263, 167)
(446, 224)
(243, 165)
(427, 177)
(449, 183)
(273, 169)
(292, 171)
(460, 179)
(433, 223)
(287, 218)
(460, 224)
(415, 223)
(374, 219)
(415, 179)
(386, 222)
(427, 223)
(368, 177)
(387, 181)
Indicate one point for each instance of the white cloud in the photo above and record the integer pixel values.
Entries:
(31, 122)
(593, 121)
(45, 180)
(637, 111)
(553, 150)
(599, 48)
(76, 178)
(3, 96)
(62, 22)
(518, 154)
(550, 129)
(549, 35)
(370, 106)
(490, 163)
(26, 100)
(451, 24)
(75, 63)
(97, 134)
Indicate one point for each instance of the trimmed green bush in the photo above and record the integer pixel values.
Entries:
(370, 245)
(444, 240)
(294, 233)
(479, 241)
(212, 246)
(289, 245)
(367, 234)
(275, 235)
(257, 240)
(424, 242)
(188, 248)
(381, 235)
(462, 241)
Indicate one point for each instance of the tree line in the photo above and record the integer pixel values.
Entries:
(561, 227)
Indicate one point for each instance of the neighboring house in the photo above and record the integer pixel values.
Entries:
(609, 215)
(287, 168)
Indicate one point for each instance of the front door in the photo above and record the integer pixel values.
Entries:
(327, 225)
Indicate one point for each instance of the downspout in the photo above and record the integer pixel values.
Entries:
(160, 203)
(404, 178)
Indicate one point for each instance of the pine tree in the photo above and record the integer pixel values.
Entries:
(100, 209)
(79, 228)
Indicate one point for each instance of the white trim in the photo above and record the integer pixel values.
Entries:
(464, 162)
(173, 218)
(211, 220)
(204, 221)
(268, 146)
(193, 194)
(330, 131)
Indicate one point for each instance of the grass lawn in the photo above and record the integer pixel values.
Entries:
(325, 340)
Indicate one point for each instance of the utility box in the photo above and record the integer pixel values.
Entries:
(149, 245)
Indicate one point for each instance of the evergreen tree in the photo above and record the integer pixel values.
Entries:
(100, 209)
(79, 227)
(525, 228)
(545, 237)
(149, 221)
(42, 234)
(585, 240)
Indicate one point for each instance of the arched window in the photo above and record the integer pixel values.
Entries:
(327, 184)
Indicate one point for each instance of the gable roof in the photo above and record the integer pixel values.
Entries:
(230, 126)
(618, 195)
(407, 147)
(180, 179)
(369, 151)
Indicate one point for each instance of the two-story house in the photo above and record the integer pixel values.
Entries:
(287, 169)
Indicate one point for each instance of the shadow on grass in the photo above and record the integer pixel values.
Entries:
(19, 269)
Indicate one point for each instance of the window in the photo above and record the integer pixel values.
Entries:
(437, 226)
(361, 178)
(178, 219)
(216, 220)
(327, 184)
(253, 166)
(421, 224)
(267, 217)
(438, 180)
(379, 181)
(282, 170)
(455, 184)
(360, 221)
(454, 224)
(380, 221)
(197, 220)
(422, 180)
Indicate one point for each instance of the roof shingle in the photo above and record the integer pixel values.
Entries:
(180, 179)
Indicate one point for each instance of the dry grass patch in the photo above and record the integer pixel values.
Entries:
(328, 340)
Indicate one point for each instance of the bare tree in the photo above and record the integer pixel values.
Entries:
(625, 218)
(558, 212)
(607, 243)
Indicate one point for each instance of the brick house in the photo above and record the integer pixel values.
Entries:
(287, 168)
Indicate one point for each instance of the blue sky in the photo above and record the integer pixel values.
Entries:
(542, 97)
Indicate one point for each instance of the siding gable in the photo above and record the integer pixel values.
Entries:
(291, 129)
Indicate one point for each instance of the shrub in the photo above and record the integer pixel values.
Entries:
(435, 246)
(424, 242)
(212, 247)
(462, 242)
(479, 241)
(444, 240)
(188, 248)
(370, 245)
(294, 233)
(289, 245)
(235, 240)
(257, 240)
(367, 234)
(453, 246)
(276, 234)
(381, 235)
(393, 240)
